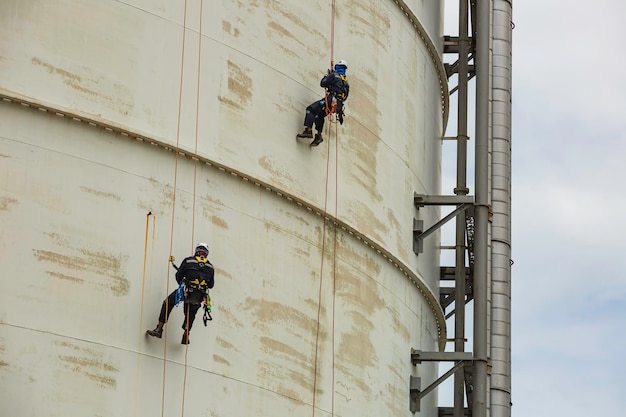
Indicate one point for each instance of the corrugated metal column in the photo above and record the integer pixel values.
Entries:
(479, 407)
(500, 384)
(461, 189)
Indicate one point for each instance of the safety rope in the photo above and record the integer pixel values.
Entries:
(143, 273)
(143, 286)
(167, 286)
(193, 205)
(329, 114)
(332, 409)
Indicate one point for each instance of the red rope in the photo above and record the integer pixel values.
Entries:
(335, 263)
(319, 301)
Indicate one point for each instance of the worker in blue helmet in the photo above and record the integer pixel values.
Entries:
(337, 90)
(195, 276)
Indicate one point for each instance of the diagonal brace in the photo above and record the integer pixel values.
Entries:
(439, 380)
(443, 221)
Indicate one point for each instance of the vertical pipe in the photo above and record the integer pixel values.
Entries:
(500, 386)
(461, 189)
(479, 407)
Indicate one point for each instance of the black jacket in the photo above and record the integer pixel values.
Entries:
(196, 272)
(337, 85)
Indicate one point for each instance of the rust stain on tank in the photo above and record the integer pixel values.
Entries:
(89, 363)
(356, 348)
(288, 393)
(394, 397)
(6, 202)
(228, 28)
(282, 33)
(278, 176)
(367, 263)
(102, 194)
(65, 277)
(370, 22)
(239, 88)
(266, 312)
(301, 45)
(2, 363)
(301, 219)
(363, 144)
(284, 378)
(225, 344)
(220, 359)
(69, 79)
(105, 265)
(219, 222)
(213, 199)
(400, 234)
(275, 347)
(400, 328)
(367, 222)
(230, 318)
(366, 106)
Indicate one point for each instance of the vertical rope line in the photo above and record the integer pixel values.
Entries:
(185, 334)
(141, 306)
(195, 165)
(335, 263)
(167, 286)
(332, 34)
(332, 63)
(319, 296)
(143, 275)
(319, 303)
(193, 206)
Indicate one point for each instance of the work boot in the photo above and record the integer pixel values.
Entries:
(318, 139)
(157, 332)
(307, 133)
(185, 339)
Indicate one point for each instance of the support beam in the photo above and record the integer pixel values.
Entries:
(418, 356)
(421, 200)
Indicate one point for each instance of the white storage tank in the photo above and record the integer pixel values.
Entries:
(319, 297)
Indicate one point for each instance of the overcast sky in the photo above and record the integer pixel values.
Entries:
(568, 232)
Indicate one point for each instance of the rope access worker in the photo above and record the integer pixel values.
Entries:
(195, 276)
(337, 90)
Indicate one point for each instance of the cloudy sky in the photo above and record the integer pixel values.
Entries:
(568, 232)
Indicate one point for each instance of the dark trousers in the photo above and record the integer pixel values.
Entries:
(316, 113)
(168, 305)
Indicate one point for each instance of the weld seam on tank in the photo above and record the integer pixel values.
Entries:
(430, 298)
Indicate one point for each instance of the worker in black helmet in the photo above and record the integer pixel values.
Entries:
(337, 90)
(195, 276)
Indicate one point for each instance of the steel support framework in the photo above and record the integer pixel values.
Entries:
(473, 50)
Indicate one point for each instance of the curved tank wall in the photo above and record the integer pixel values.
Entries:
(313, 313)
